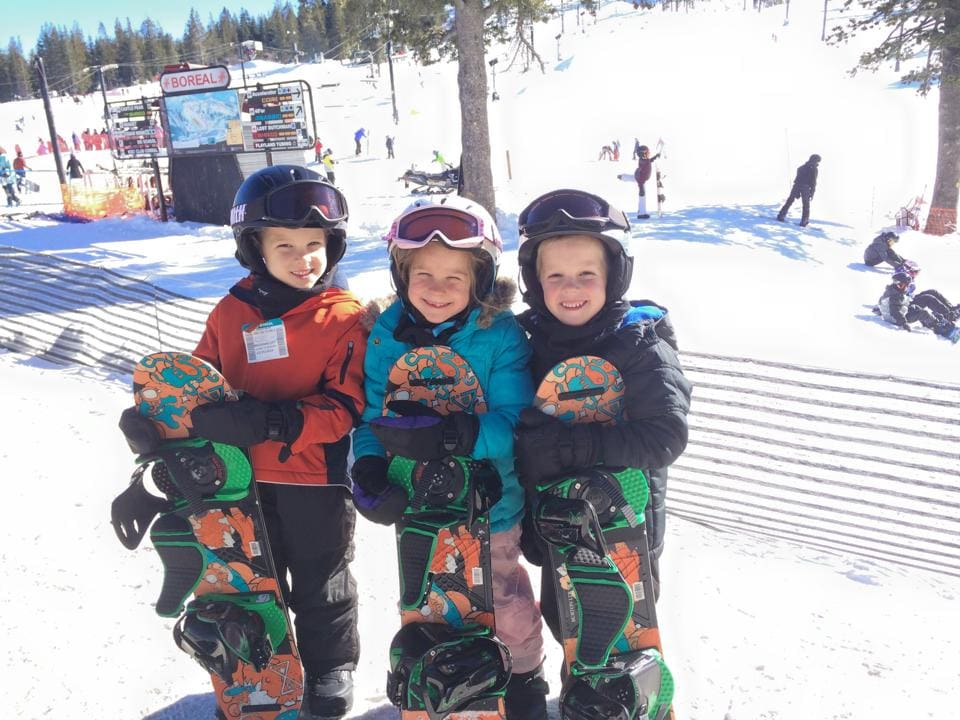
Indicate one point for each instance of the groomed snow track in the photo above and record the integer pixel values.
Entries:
(843, 461)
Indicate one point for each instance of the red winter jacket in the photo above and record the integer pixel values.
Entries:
(323, 370)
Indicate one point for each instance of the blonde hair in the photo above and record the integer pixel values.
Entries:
(555, 238)
(403, 259)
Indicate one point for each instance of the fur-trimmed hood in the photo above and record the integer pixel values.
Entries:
(501, 298)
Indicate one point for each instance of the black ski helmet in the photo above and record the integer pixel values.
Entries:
(643, 149)
(574, 212)
(814, 158)
(902, 278)
(319, 204)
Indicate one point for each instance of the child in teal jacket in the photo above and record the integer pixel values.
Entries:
(444, 260)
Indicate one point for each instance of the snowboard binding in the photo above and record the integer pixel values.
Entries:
(440, 670)
(615, 672)
(636, 685)
(193, 475)
(220, 631)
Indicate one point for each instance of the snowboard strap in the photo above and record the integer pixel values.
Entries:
(192, 471)
(634, 686)
(134, 509)
(442, 670)
(221, 631)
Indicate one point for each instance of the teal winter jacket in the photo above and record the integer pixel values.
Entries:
(496, 348)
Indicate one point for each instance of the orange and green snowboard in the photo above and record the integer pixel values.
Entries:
(593, 526)
(219, 578)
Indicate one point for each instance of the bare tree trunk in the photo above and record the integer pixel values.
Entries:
(943, 205)
(476, 175)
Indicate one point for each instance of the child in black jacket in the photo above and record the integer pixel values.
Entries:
(576, 270)
(881, 250)
(897, 307)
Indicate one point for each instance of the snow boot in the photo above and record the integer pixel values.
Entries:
(642, 208)
(328, 695)
(526, 697)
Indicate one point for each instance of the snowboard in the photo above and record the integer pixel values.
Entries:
(661, 196)
(207, 528)
(593, 527)
(445, 661)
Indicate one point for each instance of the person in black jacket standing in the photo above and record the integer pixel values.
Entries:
(804, 186)
(582, 311)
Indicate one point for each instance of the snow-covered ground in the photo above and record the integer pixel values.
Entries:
(753, 629)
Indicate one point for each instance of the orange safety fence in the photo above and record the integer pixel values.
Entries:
(95, 203)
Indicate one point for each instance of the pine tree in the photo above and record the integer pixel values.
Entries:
(192, 48)
(914, 25)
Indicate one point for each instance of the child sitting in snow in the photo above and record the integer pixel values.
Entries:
(897, 307)
(932, 300)
(881, 250)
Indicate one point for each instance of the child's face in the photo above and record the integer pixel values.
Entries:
(440, 281)
(573, 273)
(295, 256)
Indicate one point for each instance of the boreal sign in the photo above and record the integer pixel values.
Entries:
(195, 80)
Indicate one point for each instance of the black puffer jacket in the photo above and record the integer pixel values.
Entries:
(657, 395)
(880, 251)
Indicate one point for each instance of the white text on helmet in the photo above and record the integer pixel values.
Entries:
(238, 214)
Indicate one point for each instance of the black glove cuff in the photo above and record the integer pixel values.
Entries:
(370, 473)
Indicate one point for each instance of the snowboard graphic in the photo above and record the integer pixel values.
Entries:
(211, 538)
(593, 525)
(446, 660)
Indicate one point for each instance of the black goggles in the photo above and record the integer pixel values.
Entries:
(570, 210)
(292, 204)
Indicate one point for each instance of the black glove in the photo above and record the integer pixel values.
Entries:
(547, 448)
(247, 421)
(373, 496)
(141, 433)
(420, 433)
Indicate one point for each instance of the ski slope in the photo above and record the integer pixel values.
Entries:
(754, 626)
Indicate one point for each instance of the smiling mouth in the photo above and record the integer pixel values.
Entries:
(573, 306)
(435, 305)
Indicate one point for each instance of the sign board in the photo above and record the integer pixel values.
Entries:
(278, 118)
(207, 122)
(135, 128)
(195, 80)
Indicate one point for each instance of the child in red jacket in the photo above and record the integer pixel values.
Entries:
(295, 344)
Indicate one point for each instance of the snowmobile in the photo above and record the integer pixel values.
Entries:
(444, 182)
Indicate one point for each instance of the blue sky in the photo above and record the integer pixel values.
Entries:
(25, 19)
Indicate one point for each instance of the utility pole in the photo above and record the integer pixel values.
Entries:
(45, 93)
(106, 112)
(243, 71)
(823, 33)
(393, 89)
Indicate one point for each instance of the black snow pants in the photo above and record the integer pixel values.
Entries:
(310, 529)
(805, 193)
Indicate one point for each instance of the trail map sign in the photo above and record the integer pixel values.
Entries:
(135, 129)
(278, 117)
(204, 122)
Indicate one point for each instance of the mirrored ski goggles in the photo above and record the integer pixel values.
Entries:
(292, 204)
(456, 228)
(570, 210)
